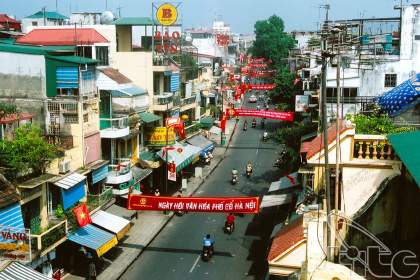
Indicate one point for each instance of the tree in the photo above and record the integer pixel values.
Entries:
(271, 42)
(27, 152)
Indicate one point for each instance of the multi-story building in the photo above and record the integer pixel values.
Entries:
(43, 18)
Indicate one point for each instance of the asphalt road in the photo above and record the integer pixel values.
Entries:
(175, 252)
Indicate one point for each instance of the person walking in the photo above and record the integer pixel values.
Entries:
(91, 267)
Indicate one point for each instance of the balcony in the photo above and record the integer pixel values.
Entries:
(162, 63)
(373, 147)
(95, 201)
(163, 102)
(114, 127)
(119, 172)
(46, 241)
(188, 103)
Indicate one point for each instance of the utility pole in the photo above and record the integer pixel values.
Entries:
(324, 55)
(44, 15)
(338, 122)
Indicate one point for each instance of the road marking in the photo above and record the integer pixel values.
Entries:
(195, 263)
(256, 152)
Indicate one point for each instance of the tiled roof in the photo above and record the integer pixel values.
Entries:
(288, 237)
(15, 117)
(115, 75)
(317, 144)
(62, 37)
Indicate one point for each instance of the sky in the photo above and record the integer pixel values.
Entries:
(302, 15)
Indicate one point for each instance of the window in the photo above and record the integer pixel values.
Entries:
(86, 117)
(102, 55)
(390, 80)
(85, 51)
(34, 23)
(71, 118)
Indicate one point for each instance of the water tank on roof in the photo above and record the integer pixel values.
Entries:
(107, 17)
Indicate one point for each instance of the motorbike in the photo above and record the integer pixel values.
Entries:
(245, 127)
(265, 137)
(207, 253)
(234, 180)
(229, 228)
(179, 213)
(254, 124)
(248, 171)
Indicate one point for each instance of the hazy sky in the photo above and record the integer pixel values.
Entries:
(240, 14)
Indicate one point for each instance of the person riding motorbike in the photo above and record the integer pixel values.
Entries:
(248, 168)
(254, 123)
(235, 176)
(263, 123)
(265, 135)
(230, 219)
(208, 243)
(245, 125)
(258, 107)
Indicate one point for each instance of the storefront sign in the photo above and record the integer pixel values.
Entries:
(302, 103)
(172, 171)
(15, 244)
(157, 136)
(222, 40)
(167, 43)
(246, 205)
(262, 86)
(166, 14)
(283, 116)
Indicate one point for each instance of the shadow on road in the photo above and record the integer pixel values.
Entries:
(176, 250)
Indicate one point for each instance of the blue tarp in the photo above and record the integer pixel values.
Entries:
(99, 174)
(11, 216)
(401, 98)
(91, 237)
(72, 195)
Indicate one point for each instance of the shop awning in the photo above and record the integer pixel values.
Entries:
(285, 182)
(94, 238)
(112, 223)
(148, 159)
(202, 142)
(406, 147)
(275, 200)
(18, 271)
(11, 216)
(100, 173)
(215, 130)
(147, 117)
(128, 91)
(70, 181)
(207, 122)
(140, 173)
(182, 154)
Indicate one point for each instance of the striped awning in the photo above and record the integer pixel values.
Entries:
(11, 216)
(285, 182)
(182, 155)
(111, 223)
(94, 238)
(70, 181)
(18, 271)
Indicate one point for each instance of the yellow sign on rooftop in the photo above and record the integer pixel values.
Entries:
(167, 14)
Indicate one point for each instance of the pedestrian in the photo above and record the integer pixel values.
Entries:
(157, 193)
(91, 267)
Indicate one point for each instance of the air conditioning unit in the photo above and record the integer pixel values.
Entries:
(64, 166)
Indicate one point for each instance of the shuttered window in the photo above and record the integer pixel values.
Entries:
(67, 77)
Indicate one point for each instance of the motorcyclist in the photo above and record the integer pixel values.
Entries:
(208, 243)
(258, 107)
(245, 125)
(230, 220)
(265, 134)
(263, 122)
(249, 167)
(235, 174)
(254, 122)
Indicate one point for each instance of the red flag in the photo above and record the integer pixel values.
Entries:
(82, 215)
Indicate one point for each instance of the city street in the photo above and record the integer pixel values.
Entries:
(175, 252)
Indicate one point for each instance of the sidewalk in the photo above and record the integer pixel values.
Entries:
(149, 224)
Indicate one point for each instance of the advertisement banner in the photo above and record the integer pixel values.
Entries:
(157, 136)
(262, 86)
(166, 14)
(245, 205)
(257, 65)
(283, 116)
(302, 103)
(15, 244)
(172, 171)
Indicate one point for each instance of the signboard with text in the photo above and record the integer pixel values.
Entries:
(275, 115)
(166, 14)
(15, 244)
(157, 136)
(302, 103)
(245, 205)
(172, 171)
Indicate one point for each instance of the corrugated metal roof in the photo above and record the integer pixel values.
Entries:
(11, 216)
(74, 59)
(70, 180)
(90, 236)
(18, 271)
(115, 75)
(14, 48)
(134, 21)
(109, 221)
(62, 37)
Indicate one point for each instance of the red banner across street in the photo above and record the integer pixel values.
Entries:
(284, 116)
(262, 86)
(246, 205)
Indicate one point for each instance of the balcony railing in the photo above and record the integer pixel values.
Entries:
(95, 201)
(49, 239)
(188, 100)
(114, 123)
(374, 147)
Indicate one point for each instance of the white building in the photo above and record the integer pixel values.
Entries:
(43, 18)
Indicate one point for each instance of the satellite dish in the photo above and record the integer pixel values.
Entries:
(107, 17)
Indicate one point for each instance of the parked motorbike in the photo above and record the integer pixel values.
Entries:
(206, 253)
(229, 228)
(179, 213)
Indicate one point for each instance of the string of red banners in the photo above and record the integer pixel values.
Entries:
(267, 114)
(245, 205)
(177, 124)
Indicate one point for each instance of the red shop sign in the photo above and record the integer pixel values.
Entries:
(246, 205)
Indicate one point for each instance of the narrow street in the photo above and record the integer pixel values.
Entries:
(175, 252)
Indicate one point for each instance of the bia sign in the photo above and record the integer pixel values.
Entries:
(166, 14)
(167, 43)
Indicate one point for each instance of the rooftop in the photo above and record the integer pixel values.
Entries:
(6, 18)
(134, 21)
(16, 48)
(115, 75)
(48, 15)
(15, 117)
(62, 37)
(74, 59)
(8, 193)
(289, 237)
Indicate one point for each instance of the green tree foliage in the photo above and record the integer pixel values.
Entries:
(285, 90)
(189, 65)
(379, 124)
(7, 109)
(27, 152)
(271, 42)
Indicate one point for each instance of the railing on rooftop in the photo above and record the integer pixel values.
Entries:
(47, 240)
(375, 147)
(114, 123)
(95, 201)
